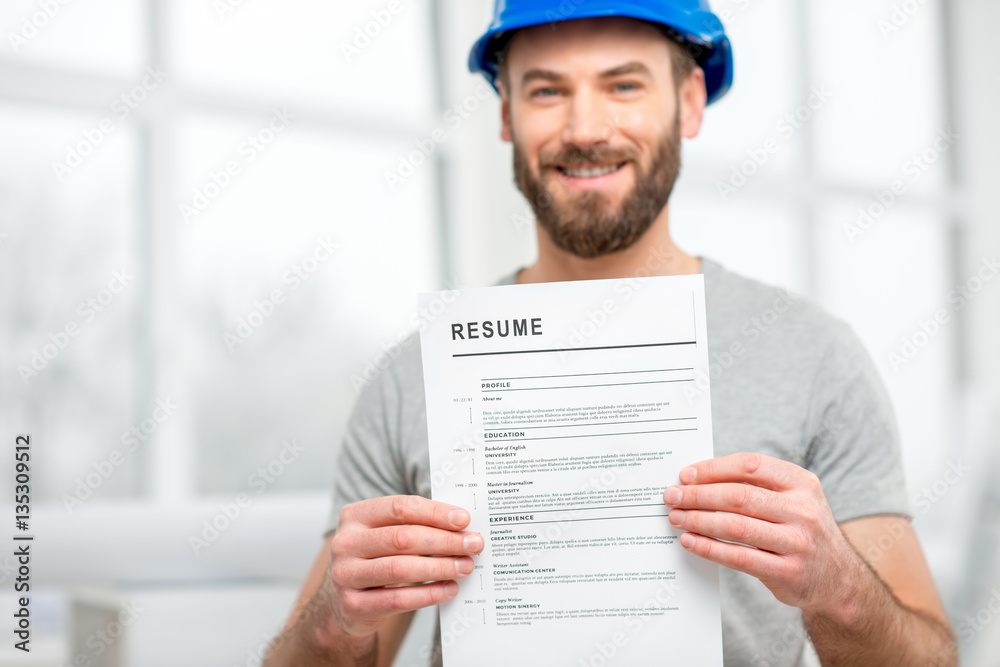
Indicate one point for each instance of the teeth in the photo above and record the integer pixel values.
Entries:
(590, 173)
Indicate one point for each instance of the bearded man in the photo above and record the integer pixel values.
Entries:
(807, 474)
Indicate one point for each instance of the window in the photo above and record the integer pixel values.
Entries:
(239, 181)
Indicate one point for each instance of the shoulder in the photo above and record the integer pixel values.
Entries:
(747, 311)
(392, 375)
(787, 377)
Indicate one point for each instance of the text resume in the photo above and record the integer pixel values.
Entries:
(557, 414)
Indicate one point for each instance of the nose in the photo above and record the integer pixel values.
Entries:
(588, 123)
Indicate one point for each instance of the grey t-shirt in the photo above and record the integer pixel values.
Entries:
(787, 380)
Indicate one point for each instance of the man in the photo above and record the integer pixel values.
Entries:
(804, 507)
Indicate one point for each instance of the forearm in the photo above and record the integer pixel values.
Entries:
(870, 626)
(314, 641)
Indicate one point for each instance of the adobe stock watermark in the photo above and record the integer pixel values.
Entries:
(915, 167)
(460, 455)
(295, 277)
(562, 523)
(8, 568)
(930, 495)
(258, 481)
(605, 652)
(371, 30)
(220, 179)
(927, 329)
(970, 626)
(256, 656)
(524, 219)
(776, 652)
(121, 108)
(563, 12)
(966, 631)
(786, 127)
(728, 15)
(101, 640)
(33, 23)
(624, 289)
(42, 355)
(315, 609)
(900, 15)
(223, 8)
(131, 439)
(427, 146)
(752, 331)
(418, 321)
(924, 500)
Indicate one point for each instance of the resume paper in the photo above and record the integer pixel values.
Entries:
(557, 414)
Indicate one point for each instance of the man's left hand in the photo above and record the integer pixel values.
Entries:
(777, 513)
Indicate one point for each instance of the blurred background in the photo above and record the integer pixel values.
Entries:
(215, 216)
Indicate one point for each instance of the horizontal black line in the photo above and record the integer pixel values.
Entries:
(596, 518)
(638, 421)
(578, 509)
(587, 386)
(592, 435)
(577, 375)
(573, 349)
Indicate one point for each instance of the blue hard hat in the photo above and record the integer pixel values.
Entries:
(688, 20)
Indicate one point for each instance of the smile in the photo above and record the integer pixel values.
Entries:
(591, 172)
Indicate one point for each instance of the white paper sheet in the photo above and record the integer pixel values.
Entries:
(557, 414)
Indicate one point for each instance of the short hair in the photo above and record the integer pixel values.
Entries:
(684, 55)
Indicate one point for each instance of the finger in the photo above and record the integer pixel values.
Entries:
(735, 528)
(398, 510)
(743, 499)
(415, 539)
(394, 570)
(755, 562)
(748, 467)
(385, 601)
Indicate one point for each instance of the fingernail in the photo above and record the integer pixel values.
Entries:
(464, 566)
(673, 496)
(458, 517)
(473, 543)
(677, 517)
(451, 589)
(689, 475)
(687, 540)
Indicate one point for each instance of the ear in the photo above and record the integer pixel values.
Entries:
(505, 133)
(691, 99)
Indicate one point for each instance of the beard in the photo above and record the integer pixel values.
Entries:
(589, 225)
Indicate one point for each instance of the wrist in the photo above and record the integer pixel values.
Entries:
(330, 636)
(850, 584)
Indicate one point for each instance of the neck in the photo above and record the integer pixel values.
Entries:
(654, 254)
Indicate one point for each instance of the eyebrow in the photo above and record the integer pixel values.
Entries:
(540, 75)
(634, 67)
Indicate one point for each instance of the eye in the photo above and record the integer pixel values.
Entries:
(545, 92)
(625, 87)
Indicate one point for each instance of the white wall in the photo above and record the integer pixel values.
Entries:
(976, 68)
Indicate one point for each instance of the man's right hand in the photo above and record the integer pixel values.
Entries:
(378, 552)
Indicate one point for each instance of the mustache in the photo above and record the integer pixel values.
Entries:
(576, 156)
